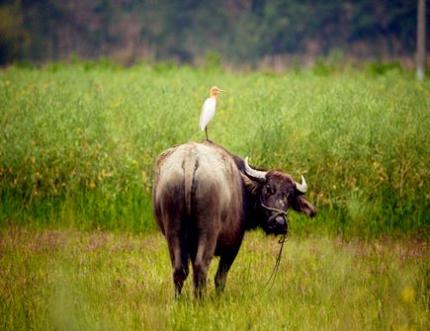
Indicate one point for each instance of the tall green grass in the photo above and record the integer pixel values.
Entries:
(78, 142)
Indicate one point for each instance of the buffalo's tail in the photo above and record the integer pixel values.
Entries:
(190, 166)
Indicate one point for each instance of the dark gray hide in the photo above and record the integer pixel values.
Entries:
(205, 199)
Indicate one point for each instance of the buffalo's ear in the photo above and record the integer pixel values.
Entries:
(304, 206)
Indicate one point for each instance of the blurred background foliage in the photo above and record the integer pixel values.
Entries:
(239, 31)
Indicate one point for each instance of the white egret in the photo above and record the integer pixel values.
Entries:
(208, 109)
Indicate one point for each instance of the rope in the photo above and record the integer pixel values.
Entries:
(272, 278)
(276, 212)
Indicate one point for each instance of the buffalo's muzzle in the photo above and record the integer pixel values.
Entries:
(278, 225)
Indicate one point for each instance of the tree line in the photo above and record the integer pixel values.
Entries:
(185, 30)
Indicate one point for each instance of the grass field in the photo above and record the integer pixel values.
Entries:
(78, 142)
(78, 242)
(69, 280)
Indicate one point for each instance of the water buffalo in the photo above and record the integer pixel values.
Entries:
(205, 198)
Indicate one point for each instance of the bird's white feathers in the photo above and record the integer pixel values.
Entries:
(208, 112)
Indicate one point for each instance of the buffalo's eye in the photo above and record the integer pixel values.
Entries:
(270, 189)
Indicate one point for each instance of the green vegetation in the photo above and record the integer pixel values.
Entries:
(63, 280)
(77, 148)
(78, 142)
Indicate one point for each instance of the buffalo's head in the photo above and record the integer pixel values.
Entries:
(276, 193)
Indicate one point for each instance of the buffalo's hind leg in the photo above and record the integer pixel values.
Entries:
(179, 259)
(201, 261)
(180, 273)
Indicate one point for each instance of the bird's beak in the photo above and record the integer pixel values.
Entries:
(222, 90)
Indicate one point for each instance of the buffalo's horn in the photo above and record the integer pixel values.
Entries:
(303, 187)
(257, 174)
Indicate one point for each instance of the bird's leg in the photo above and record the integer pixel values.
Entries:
(206, 132)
